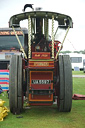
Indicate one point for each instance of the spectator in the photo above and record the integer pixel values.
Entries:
(1, 89)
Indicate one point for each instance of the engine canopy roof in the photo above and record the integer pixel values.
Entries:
(61, 18)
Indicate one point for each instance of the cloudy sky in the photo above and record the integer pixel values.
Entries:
(74, 8)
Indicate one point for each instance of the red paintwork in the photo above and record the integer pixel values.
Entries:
(40, 55)
(56, 45)
(78, 97)
(41, 64)
(41, 104)
(39, 99)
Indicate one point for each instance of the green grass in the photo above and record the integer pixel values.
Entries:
(78, 73)
(49, 117)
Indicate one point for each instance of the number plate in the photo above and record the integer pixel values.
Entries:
(41, 81)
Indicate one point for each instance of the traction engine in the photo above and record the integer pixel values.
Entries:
(40, 73)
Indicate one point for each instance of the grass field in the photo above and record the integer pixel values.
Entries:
(49, 117)
(78, 73)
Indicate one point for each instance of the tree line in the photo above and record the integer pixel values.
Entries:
(81, 51)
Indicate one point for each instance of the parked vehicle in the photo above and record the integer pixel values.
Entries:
(77, 60)
(84, 65)
(9, 46)
(42, 75)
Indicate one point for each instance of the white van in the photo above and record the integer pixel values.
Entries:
(77, 60)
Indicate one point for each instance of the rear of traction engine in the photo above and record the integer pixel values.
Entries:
(45, 76)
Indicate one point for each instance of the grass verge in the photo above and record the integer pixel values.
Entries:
(49, 117)
(78, 73)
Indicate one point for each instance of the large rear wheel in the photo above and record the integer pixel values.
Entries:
(15, 85)
(65, 84)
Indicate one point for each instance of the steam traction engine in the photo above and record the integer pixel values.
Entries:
(40, 72)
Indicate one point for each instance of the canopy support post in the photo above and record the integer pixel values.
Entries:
(19, 42)
(29, 37)
(62, 43)
(52, 37)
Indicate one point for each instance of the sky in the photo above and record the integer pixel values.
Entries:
(74, 8)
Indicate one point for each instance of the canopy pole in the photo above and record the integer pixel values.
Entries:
(29, 37)
(19, 43)
(62, 43)
(46, 31)
(52, 36)
(22, 31)
(55, 32)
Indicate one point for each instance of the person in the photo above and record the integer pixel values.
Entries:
(1, 89)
